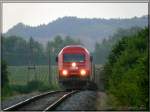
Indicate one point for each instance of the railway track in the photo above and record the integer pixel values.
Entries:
(42, 102)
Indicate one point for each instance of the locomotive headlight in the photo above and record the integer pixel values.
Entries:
(64, 72)
(83, 72)
(73, 64)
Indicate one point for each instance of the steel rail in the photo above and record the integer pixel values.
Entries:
(59, 101)
(22, 103)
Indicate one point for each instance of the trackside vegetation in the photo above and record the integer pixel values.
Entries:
(126, 72)
(5, 87)
(18, 80)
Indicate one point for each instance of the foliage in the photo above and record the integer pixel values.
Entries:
(6, 92)
(31, 86)
(5, 87)
(103, 49)
(23, 81)
(126, 72)
(4, 74)
(54, 47)
(18, 51)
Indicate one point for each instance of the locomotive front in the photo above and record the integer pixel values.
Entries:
(74, 66)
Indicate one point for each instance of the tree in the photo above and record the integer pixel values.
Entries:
(126, 72)
(4, 74)
(102, 50)
(53, 47)
(14, 48)
(36, 52)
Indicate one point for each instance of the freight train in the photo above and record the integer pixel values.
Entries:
(75, 68)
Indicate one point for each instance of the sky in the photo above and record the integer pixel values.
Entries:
(34, 14)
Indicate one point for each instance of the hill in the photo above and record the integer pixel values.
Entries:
(88, 30)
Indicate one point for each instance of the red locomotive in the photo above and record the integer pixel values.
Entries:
(74, 66)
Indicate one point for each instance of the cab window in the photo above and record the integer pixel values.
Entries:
(73, 57)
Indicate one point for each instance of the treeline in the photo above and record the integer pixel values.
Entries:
(18, 51)
(126, 72)
(103, 49)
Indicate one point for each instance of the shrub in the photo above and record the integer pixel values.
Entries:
(126, 72)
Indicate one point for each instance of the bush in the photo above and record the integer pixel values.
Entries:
(4, 75)
(31, 87)
(126, 72)
(6, 90)
(19, 88)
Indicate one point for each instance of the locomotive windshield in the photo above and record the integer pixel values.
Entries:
(74, 57)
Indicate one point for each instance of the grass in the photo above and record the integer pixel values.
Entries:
(22, 80)
(20, 75)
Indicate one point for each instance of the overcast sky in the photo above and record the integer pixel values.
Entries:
(34, 14)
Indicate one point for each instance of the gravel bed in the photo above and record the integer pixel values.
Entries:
(84, 100)
(16, 99)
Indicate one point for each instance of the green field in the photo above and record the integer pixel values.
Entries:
(20, 75)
